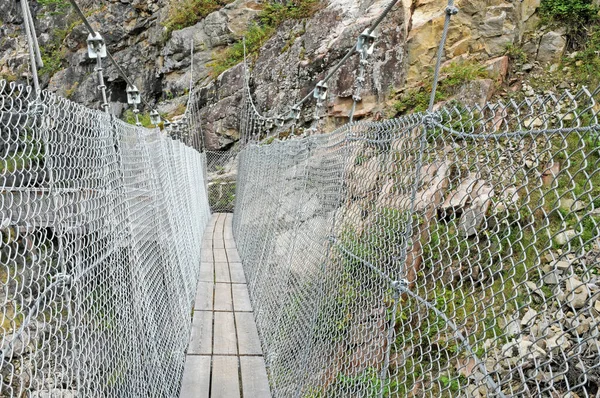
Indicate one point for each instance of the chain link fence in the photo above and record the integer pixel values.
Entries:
(99, 253)
(221, 177)
(455, 253)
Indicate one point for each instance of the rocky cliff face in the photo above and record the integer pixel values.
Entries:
(298, 55)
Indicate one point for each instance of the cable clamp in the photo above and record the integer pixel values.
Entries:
(320, 92)
(451, 10)
(133, 95)
(96, 46)
(366, 44)
(154, 117)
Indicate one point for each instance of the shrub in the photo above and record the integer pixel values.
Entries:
(184, 13)
(259, 31)
(452, 78)
(574, 15)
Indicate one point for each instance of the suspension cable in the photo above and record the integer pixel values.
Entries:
(337, 67)
(109, 55)
(450, 11)
(31, 44)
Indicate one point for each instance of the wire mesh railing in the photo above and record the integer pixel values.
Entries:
(98, 253)
(454, 253)
(221, 169)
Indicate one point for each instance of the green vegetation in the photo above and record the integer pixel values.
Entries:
(9, 77)
(516, 54)
(575, 16)
(452, 78)
(55, 7)
(259, 31)
(129, 117)
(53, 53)
(184, 13)
(221, 194)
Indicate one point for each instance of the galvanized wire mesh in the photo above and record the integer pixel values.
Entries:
(455, 253)
(221, 170)
(98, 253)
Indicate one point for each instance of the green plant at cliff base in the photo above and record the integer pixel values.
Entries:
(574, 15)
(129, 117)
(452, 78)
(184, 13)
(259, 31)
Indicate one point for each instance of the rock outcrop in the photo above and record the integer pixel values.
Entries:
(289, 64)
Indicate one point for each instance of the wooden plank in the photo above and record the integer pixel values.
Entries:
(220, 255)
(247, 334)
(228, 229)
(207, 256)
(237, 273)
(196, 377)
(219, 244)
(233, 256)
(222, 272)
(230, 244)
(225, 378)
(255, 382)
(207, 272)
(241, 299)
(225, 341)
(223, 297)
(204, 296)
(201, 336)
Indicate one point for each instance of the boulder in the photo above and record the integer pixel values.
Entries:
(552, 47)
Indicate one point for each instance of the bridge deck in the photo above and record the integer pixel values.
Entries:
(224, 357)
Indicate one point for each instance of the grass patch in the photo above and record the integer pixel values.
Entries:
(260, 30)
(129, 117)
(452, 78)
(184, 13)
(574, 15)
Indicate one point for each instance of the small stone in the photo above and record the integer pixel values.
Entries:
(527, 67)
(552, 278)
(584, 326)
(528, 317)
(527, 348)
(597, 305)
(572, 205)
(561, 265)
(557, 344)
(563, 237)
(534, 289)
(577, 293)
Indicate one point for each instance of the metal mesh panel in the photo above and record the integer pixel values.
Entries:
(455, 253)
(99, 254)
(221, 168)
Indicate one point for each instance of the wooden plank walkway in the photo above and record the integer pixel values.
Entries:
(224, 357)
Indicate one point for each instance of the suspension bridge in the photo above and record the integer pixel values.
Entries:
(454, 252)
